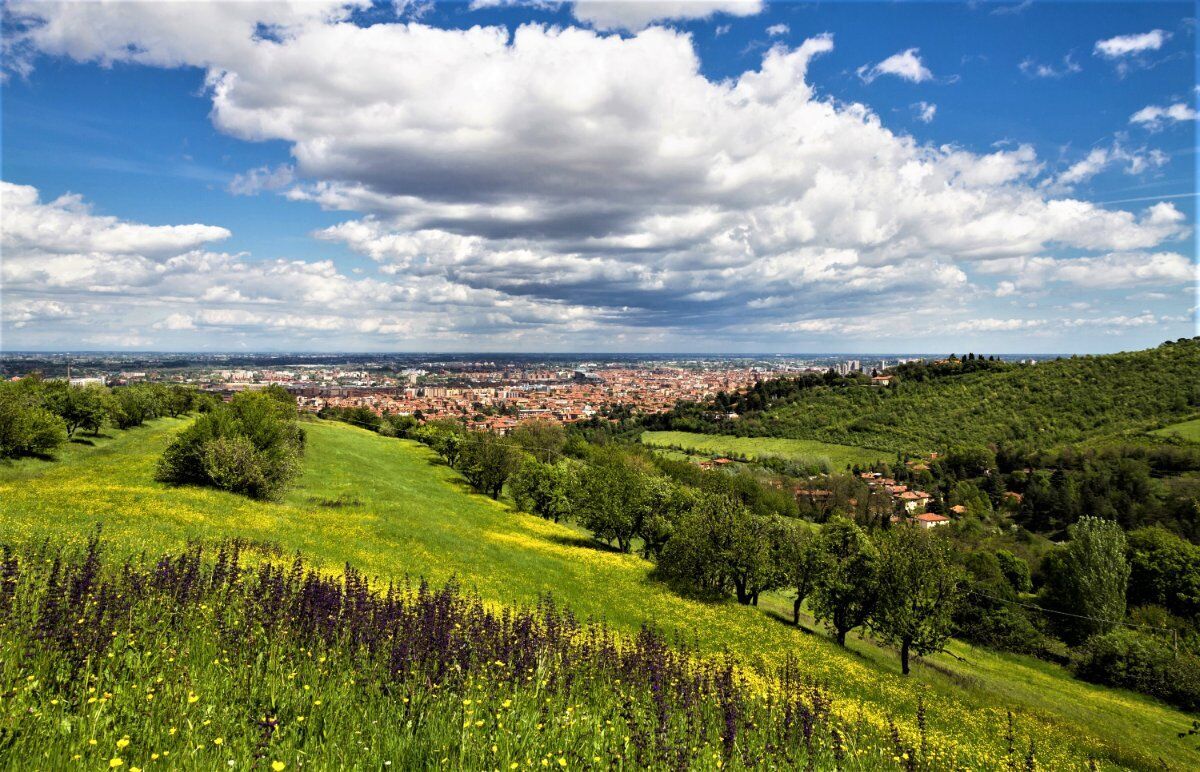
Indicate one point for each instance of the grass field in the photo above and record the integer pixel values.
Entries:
(1188, 430)
(388, 507)
(840, 456)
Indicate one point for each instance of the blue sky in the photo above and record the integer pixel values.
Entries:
(724, 176)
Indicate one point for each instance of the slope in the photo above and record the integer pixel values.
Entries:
(1080, 399)
(388, 507)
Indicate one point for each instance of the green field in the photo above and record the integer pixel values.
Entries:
(390, 508)
(1188, 430)
(840, 456)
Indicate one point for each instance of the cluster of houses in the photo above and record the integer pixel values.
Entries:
(911, 503)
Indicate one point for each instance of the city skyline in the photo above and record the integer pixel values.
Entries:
(719, 178)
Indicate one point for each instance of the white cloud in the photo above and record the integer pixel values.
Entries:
(1098, 159)
(1129, 45)
(906, 65)
(67, 226)
(924, 111)
(1154, 116)
(634, 15)
(535, 182)
(776, 30)
(262, 178)
(1031, 68)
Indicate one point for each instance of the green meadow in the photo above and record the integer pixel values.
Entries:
(1188, 430)
(840, 456)
(391, 509)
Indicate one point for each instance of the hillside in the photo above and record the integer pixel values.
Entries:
(801, 451)
(1080, 399)
(387, 507)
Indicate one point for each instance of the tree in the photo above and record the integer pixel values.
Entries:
(611, 499)
(802, 562)
(540, 438)
(1164, 571)
(544, 489)
(130, 406)
(719, 546)
(919, 588)
(845, 594)
(487, 462)
(27, 428)
(78, 408)
(1088, 579)
(1015, 570)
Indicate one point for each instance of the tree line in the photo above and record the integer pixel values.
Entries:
(38, 416)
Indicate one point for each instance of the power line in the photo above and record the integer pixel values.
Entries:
(1064, 613)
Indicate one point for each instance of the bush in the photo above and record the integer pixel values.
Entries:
(251, 446)
(1143, 663)
(27, 428)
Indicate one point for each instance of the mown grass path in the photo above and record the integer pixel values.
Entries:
(391, 509)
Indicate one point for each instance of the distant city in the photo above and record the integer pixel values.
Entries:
(492, 391)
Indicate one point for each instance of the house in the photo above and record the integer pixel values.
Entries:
(882, 380)
(1013, 496)
(914, 501)
(930, 520)
(722, 461)
(958, 509)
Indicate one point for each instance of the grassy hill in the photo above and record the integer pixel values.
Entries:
(804, 451)
(1080, 399)
(1188, 430)
(390, 509)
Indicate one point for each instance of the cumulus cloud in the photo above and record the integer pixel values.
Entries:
(1154, 116)
(906, 65)
(776, 30)
(924, 111)
(1129, 45)
(534, 181)
(634, 15)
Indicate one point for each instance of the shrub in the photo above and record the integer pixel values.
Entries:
(250, 446)
(26, 428)
(1141, 662)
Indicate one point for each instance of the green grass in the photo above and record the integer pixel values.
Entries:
(840, 456)
(398, 511)
(1188, 430)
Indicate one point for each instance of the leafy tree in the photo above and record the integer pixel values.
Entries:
(487, 462)
(544, 489)
(801, 560)
(611, 499)
(1164, 571)
(446, 437)
(716, 548)
(130, 406)
(919, 588)
(846, 593)
(542, 439)
(27, 428)
(1015, 570)
(1088, 579)
(79, 408)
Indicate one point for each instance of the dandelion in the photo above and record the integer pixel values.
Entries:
(123, 742)
(279, 766)
(115, 762)
(219, 741)
(192, 697)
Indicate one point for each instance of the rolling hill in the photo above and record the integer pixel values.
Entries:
(389, 508)
(1114, 397)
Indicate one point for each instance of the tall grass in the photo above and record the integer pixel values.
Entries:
(203, 661)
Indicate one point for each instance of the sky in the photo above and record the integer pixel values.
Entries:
(721, 176)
